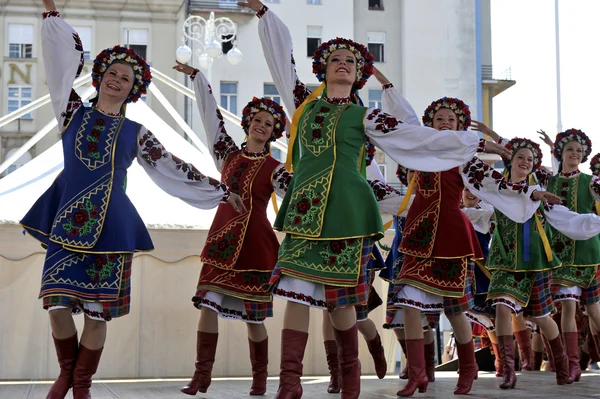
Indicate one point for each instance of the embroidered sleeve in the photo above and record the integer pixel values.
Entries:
(576, 226)
(388, 198)
(393, 103)
(177, 177)
(218, 140)
(543, 176)
(481, 146)
(512, 199)
(281, 180)
(595, 187)
(277, 46)
(62, 53)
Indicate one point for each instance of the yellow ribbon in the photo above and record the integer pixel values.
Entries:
(405, 201)
(273, 196)
(296, 122)
(597, 207)
(544, 238)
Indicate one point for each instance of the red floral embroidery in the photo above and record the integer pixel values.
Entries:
(73, 105)
(83, 220)
(282, 178)
(94, 138)
(383, 122)
(301, 92)
(382, 190)
(52, 13)
(387, 86)
(477, 170)
(234, 181)
(102, 268)
(224, 144)
(263, 10)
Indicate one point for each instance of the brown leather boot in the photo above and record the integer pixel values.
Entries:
(551, 365)
(507, 357)
(404, 373)
(537, 360)
(206, 347)
(525, 352)
(347, 342)
(571, 342)
(293, 344)
(561, 362)
(85, 368)
(259, 358)
(66, 352)
(497, 362)
(417, 377)
(467, 366)
(334, 367)
(430, 361)
(376, 351)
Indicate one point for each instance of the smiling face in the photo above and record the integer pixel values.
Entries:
(117, 82)
(445, 119)
(341, 67)
(572, 154)
(469, 200)
(521, 164)
(261, 127)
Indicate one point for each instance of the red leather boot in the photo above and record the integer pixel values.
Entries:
(525, 352)
(85, 368)
(206, 347)
(66, 352)
(293, 344)
(259, 358)
(467, 366)
(334, 367)
(404, 373)
(507, 357)
(417, 376)
(561, 362)
(430, 361)
(376, 351)
(497, 361)
(347, 342)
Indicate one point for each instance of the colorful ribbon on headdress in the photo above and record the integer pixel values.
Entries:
(296, 121)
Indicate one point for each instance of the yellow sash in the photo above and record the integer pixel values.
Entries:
(405, 201)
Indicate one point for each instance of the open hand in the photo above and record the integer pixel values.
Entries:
(546, 197)
(483, 128)
(493, 148)
(49, 4)
(254, 5)
(545, 138)
(236, 202)
(183, 68)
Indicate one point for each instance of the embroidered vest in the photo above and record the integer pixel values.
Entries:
(329, 198)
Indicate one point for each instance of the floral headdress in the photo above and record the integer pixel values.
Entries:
(264, 104)
(454, 104)
(141, 70)
(364, 59)
(595, 165)
(572, 135)
(402, 173)
(517, 143)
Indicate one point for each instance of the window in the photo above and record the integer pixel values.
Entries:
(375, 4)
(19, 96)
(276, 153)
(313, 39)
(23, 159)
(375, 99)
(226, 46)
(383, 169)
(229, 96)
(376, 43)
(270, 91)
(20, 41)
(314, 2)
(137, 40)
(85, 34)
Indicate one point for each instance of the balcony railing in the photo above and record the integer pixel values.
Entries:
(218, 5)
(487, 73)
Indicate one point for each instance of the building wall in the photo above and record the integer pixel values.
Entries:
(107, 21)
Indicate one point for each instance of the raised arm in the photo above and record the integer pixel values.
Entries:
(181, 179)
(423, 148)
(62, 54)
(277, 46)
(394, 103)
(218, 141)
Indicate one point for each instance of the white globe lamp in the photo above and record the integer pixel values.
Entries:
(183, 54)
(234, 56)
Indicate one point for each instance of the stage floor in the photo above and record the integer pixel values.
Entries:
(529, 385)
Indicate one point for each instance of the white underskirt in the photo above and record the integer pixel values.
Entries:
(567, 294)
(419, 299)
(515, 307)
(90, 307)
(398, 320)
(481, 319)
(227, 302)
(307, 288)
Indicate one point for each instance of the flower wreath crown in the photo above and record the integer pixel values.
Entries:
(454, 104)
(264, 104)
(567, 136)
(517, 143)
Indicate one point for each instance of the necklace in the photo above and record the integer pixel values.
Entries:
(338, 100)
(250, 154)
(569, 174)
(117, 114)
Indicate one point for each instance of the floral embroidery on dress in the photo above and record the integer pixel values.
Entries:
(423, 234)
(225, 247)
(339, 252)
(383, 122)
(73, 105)
(103, 267)
(234, 180)
(448, 269)
(339, 100)
(317, 125)
(94, 138)
(83, 220)
(426, 182)
(382, 190)
(282, 178)
(305, 210)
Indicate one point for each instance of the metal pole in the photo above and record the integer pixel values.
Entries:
(557, 33)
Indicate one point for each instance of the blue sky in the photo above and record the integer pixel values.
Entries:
(523, 38)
